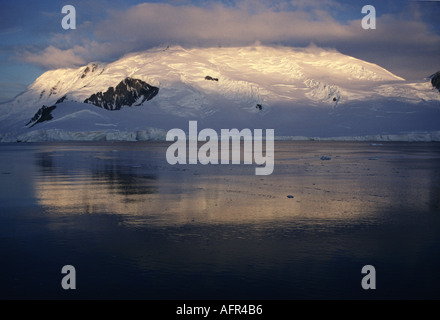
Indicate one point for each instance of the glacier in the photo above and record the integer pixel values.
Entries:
(301, 93)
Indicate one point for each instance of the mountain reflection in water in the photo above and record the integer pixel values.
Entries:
(138, 227)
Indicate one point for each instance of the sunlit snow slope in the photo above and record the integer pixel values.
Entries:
(310, 92)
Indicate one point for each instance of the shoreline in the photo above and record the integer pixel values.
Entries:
(153, 134)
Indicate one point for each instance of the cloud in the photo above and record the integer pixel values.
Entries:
(295, 23)
(156, 23)
(52, 58)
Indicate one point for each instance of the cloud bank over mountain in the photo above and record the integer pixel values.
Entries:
(400, 41)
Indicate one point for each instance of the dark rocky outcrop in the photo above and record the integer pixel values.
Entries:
(54, 89)
(43, 114)
(126, 93)
(88, 69)
(435, 80)
(60, 100)
(211, 78)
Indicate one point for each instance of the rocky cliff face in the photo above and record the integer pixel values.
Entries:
(128, 92)
(43, 114)
(435, 80)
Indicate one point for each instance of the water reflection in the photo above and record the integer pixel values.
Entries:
(357, 185)
(120, 212)
(88, 183)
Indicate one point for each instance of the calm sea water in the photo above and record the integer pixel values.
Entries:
(135, 227)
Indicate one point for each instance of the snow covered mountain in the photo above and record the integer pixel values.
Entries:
(308, 92)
